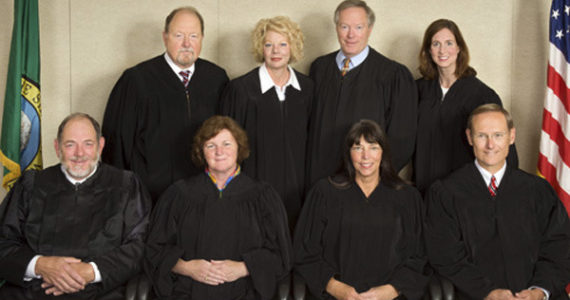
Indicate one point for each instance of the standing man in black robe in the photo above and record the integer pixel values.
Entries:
(357, 83)
(75, 230)
(156, 106)
(494, 230)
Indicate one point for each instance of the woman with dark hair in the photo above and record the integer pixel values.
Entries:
(220, 234)
(448, 92)
(359, 235)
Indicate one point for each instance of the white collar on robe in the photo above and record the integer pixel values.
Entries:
(487, 175)
(267, 83)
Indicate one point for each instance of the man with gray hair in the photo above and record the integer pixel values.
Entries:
(357, 83)
(157, 106)
(75, 230)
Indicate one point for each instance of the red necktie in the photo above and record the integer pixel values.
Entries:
(185, 75)
(493, 187)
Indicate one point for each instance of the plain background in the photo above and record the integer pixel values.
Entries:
(86, 45)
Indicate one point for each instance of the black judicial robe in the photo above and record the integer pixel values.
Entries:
(363, 242)
(193, 220)
(151, 118)
(277, 133)
(441, 145)
(518, 239)
(378, 89)
(103, 220)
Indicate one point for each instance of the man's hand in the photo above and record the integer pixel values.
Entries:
(85, 270)
(232, 270)
(500, 294)
(534, 294)
(57, 272)
(382, 292)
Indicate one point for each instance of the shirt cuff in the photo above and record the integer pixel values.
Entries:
(547, 293)
(97, 273)
(31, 269)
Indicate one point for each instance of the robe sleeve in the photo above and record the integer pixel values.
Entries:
(308, 246)
(15, 253)
(552, 269)
(234, 103)
(446, 249)
(401, 118)
(273, 261)
(121, 126)
(413, 273)
(124, 262)
(162, 251)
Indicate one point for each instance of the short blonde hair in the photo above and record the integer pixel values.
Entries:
(284, 26)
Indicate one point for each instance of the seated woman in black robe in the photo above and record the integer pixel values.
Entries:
(273, 103)
(359, 235)
(448, 92)
(220, 234)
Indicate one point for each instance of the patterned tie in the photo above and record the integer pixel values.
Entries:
(493, 187)
(345, 66)
(185, 75)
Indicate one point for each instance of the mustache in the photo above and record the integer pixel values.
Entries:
(191, 50)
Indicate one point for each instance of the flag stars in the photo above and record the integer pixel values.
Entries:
(567, 10)
(555, 14)
(559, 34)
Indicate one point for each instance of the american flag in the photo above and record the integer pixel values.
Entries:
(554, 156)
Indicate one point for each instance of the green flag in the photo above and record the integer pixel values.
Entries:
(20, 146)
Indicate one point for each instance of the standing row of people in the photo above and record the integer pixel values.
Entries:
(222, 234)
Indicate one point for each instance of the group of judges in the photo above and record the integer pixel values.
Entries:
(204, 182)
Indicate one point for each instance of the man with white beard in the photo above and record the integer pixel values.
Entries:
(74, 230)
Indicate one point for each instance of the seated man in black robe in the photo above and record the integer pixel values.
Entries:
(494, 230)
(156, 106)
(357, 83)
(75, 230)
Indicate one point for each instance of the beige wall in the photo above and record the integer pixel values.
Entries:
(86, 45)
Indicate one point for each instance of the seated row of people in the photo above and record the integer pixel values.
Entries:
(77, 230)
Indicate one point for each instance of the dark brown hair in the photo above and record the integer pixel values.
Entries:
(209, 129)
(372, 133)
(78, 115)
(428, 68)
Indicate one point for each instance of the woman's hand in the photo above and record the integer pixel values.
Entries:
(200, 270)
(341, 290)
(232, 270)
(383, 292)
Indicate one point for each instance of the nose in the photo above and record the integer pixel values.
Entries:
(490, 143)
(365, 154)
(274, 49)
(219, 151)
(186, 42)
(79, 151)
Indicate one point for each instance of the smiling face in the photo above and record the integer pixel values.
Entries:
(276, 50)
(366, 158)
(220, 153)
(490, 138)
(183, 41)
(444, 50)
(79, 149)
(353, 30)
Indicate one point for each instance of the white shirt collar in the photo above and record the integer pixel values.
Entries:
(487, 175)
(75, 181)
(354, 61)
(176, 69)
(267, 83)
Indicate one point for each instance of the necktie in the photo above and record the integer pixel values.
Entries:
(493, 187)
(345, 66)
(185, 75)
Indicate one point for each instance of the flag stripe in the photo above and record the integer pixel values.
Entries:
(556, 135)
(557, 60)
(558, 87)
(549, 174)
(549, 149)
